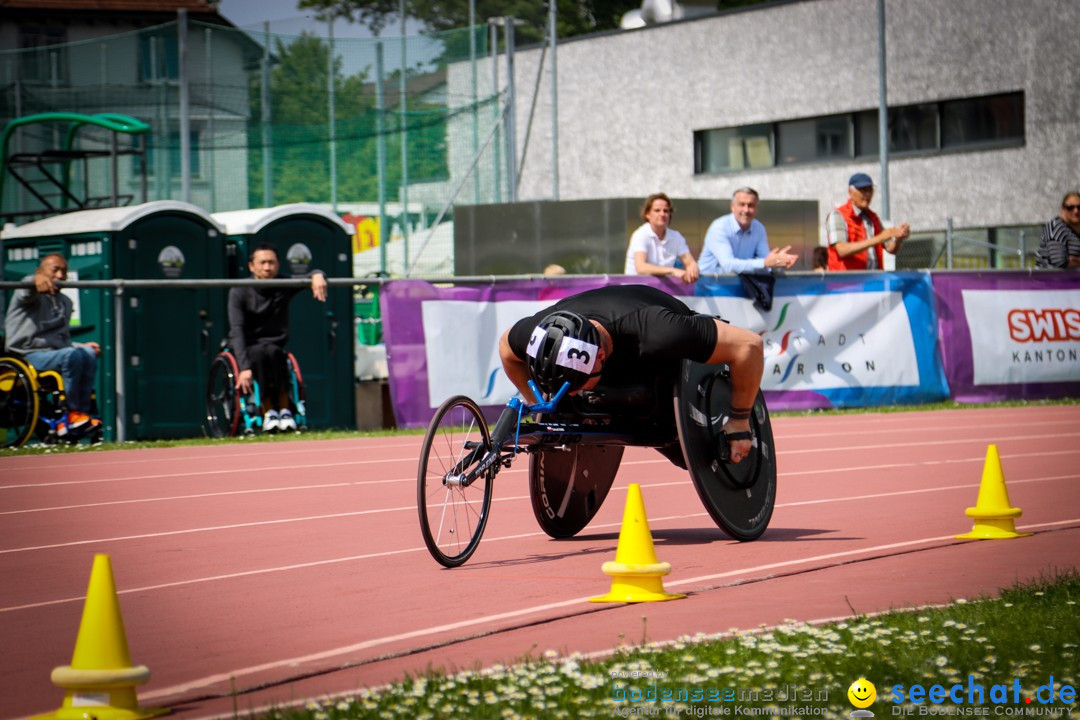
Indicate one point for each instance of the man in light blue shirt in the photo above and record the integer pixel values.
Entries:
(738, 243)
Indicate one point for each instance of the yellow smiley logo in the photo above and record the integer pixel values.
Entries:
(862, 693)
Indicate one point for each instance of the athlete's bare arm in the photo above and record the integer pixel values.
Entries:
(742, 351)
(515, 369)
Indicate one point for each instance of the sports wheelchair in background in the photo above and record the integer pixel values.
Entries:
(575, 446)
(33, 403)
(228, 412)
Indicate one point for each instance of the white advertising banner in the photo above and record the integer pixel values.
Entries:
(828, 341)
(461, 342)
(815, 342)
(1024, 336)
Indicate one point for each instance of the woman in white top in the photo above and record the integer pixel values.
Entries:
(655, 246)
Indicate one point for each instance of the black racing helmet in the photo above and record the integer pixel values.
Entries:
(562, 348)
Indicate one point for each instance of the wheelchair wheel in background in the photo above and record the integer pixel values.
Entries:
(738, 496)
(18, 403)
(567, 487)
(453, 514)
(296, 393)
(222, 398)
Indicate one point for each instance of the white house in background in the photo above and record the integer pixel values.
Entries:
(121, 56)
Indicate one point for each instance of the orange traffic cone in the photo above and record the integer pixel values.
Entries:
(100, 682)
(993, 514)
(636, 574)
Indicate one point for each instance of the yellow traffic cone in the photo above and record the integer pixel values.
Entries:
(636, 572)
(100, 682)
(993, 514)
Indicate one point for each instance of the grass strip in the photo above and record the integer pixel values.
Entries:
(1006, 656)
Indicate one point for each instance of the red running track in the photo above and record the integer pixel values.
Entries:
(296, 569)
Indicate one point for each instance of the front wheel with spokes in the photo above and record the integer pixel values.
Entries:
(453, 499)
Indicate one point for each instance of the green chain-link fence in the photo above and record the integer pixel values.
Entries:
(259, 130)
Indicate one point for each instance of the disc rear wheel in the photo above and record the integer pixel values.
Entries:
(452, 499)
(738, 496)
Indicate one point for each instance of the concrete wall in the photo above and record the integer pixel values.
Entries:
(629, 103)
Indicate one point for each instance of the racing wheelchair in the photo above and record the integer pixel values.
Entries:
(33, 403)
(229, 412)
(575, 445)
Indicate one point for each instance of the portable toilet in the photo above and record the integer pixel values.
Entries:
(307, 237)
(157, 343)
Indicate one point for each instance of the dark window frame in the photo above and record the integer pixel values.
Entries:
(995, 115)
(37, 43)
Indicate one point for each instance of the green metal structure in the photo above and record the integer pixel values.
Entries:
(51, 186)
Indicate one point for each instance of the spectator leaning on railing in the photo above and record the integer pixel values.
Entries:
(855, 233)
(656, 248)
(1059, 246)
(737, 242)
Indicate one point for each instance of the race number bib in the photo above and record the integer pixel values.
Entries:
(577, 355)
(574, 354)
(535, 341)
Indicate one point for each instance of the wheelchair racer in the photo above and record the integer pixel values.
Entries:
(258, 332)
(38, 329)
(622, 334)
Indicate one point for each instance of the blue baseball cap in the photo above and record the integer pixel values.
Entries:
(860, 180)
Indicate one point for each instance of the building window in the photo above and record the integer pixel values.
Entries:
(171, 156)
(159, 58)
(823, 138)
(965, 123)
(40, 60)
(912, 128)
(995, 120)
(740, 148)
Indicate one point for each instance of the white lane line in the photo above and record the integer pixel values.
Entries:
(848, 553)
(411, 508)
(278, 450)
(84, 460)
(200, 496)
(486, 540)
(201, 473)
(487, 620)
(657, 461)
(349, 463)
(211, 528)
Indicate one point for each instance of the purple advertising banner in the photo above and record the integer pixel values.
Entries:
(1009, 335)
(401, 303)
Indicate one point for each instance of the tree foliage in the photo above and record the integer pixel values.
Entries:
(574, 17)
(300, 134)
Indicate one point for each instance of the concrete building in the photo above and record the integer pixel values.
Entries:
(783, 97)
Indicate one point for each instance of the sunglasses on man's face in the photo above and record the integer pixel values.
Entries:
(1071, 208)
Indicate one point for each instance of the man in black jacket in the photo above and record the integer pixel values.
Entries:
(258, 332)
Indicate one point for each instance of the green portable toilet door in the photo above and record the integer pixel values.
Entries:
(171, 335)
(320, 334)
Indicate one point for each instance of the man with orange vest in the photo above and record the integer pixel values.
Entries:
(855, 234)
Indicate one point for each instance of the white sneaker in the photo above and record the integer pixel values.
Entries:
(286, 423)
(271, 421)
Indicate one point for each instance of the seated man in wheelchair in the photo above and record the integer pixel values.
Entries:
(258, 333)
(38, 329)
(622, 335)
